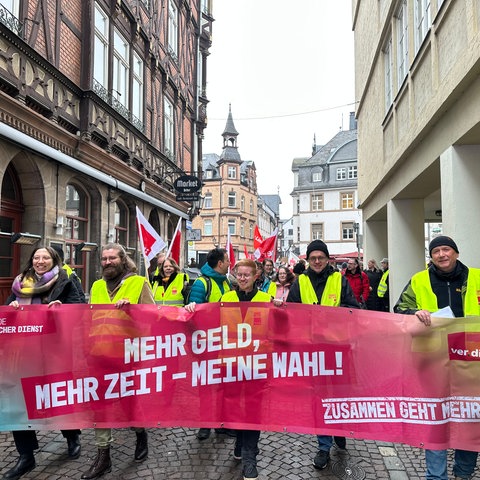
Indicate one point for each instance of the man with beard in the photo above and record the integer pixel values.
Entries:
(321, 284)
(119, 285)
(446, 283)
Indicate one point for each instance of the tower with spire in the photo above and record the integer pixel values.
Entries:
(231, 198)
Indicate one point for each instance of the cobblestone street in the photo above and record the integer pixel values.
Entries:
(178, 454)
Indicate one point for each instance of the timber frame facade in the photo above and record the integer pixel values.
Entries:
(102, 107)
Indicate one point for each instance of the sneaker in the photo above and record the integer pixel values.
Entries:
(250, 472)
(340, 442)
(321, 459)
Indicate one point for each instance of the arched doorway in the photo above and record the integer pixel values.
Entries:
(11, 209)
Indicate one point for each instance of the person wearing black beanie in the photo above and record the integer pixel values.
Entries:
(446, 283)
(321, 284)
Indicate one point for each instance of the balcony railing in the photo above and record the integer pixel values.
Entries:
(107, 97)
(10, 20)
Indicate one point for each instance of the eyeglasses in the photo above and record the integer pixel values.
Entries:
(317, 259)
(108, 259)
(244, 275)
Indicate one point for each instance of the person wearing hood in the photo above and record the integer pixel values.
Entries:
(446, 283)
(322, 284)
(209, 287)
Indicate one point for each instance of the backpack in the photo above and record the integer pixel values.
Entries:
(188, 288)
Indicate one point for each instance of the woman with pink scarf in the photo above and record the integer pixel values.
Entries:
(43, 281)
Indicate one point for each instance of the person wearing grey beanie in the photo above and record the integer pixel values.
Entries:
(446, 283)
(321, 284)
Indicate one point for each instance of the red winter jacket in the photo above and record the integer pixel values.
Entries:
(359, 283)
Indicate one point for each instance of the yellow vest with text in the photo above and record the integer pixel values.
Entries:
(427, 300)
(332, 293)
(173, 295)
(110, 327)
(232, 296)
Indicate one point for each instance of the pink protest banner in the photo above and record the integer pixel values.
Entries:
(299, 368)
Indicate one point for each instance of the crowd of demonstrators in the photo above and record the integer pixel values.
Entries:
(209, 287)
(321, 284)
(120, 285)
(46, 279)
(358, 280)
(43, 281)
(446, 283)
(382, 290)
(374, 275)
(169, 284)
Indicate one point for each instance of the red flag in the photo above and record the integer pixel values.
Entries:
(150, 241)
(257, 238)
(245, 251)
(268, 248)
(174, 249)
(231, 253)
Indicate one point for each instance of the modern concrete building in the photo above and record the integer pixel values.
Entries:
(102, 108)
(418, 92)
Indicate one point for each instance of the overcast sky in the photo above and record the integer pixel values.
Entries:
(287, 69)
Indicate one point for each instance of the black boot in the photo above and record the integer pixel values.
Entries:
(102, 464)
(74, 447)
(25, 463)
(141, 449)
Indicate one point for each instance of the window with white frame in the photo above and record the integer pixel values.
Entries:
(232, 200)
(346, 201)
(232, 172)
(388, 66)
(242, 229)
(347, 231)
(402, 42)
(250, 231)
(242, 203)
(118, 75)
(121, 68)
(207, 202)
(317, 177)
(422, 22)
(209, 174)
(207, 227)
(232, 226)
(317, 202)
(251, 207)
(341, 173)
(172, 28)
(352, 172)
(100, 57)
(137, 86)
(317, 231)
(169, 128)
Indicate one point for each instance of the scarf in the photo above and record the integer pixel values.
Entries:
(30, 286)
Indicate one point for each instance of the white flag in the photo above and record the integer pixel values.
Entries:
(150, 241)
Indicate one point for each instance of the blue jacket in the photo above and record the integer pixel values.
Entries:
(198, 291)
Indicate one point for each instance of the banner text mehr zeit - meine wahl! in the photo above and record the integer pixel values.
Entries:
(301, 368)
